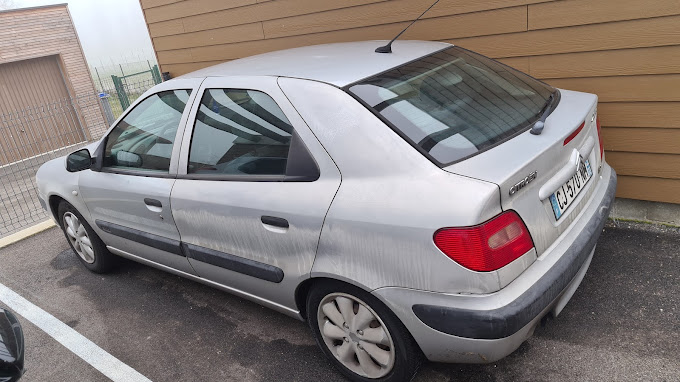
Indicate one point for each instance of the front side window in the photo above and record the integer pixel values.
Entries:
(239, 132)
(454, 104)
(143, 140)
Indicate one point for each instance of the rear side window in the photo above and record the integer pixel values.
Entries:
(239, 132)
(454, 104)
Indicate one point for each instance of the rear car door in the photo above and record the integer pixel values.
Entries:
(252, 190)
(128, 190)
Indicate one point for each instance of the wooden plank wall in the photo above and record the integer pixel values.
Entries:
(626, 51)
(49, 31)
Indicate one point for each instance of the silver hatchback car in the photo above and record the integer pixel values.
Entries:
(429, 203)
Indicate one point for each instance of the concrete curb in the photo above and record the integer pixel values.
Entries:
(647, 212)
(30, 231)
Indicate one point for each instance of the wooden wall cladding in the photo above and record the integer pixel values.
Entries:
(625, 51)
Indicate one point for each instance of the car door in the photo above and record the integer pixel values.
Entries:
(252, 190)
(128, 190)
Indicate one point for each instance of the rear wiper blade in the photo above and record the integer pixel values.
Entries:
(540, 124)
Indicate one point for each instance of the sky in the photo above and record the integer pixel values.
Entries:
(111, 31)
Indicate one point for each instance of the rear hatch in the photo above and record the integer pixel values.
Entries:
(534, 172)
(472, 116)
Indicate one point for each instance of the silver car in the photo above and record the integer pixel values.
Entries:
(429, 203)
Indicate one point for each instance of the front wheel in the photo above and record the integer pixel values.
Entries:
(360, 335)
(89, 248)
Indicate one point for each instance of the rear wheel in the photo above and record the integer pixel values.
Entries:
(360, 335)
(89, 248)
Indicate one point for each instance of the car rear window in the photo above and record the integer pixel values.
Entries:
(454, 103)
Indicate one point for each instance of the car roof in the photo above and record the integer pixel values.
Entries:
(338, 64)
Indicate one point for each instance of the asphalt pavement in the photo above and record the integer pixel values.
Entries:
(623, 323)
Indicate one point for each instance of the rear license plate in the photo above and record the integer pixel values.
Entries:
(565, 195)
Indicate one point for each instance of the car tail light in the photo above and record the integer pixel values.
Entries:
(573, 134)
(488, 246)
(599, 137)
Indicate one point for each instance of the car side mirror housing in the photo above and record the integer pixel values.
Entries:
(78, 161)
(12, 345)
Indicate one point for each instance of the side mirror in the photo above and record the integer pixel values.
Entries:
(128, 159)
(78, 161)
(11, 347)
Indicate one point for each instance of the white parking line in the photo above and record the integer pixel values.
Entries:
(107, 364)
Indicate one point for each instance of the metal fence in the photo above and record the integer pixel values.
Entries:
(125, 93)
(120, 85)
(37, 134)
(102, 75)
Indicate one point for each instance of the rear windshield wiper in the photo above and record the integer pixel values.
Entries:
(540, 124)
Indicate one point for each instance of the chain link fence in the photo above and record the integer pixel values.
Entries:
(37, 134)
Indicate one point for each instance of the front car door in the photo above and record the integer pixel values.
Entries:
(128, 190)
(252, 190)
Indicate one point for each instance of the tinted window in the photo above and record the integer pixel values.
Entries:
(455, 103)
(143, 139)
(239, 132)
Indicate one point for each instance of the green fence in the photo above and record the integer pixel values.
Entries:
(128, 91)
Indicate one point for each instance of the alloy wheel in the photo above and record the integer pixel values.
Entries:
(77, 235)
(356, 335)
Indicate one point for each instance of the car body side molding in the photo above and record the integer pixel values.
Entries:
(234, 263)
(156, 241)
(210, 256)
(238, 292)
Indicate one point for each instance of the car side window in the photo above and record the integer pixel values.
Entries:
(143, 140)
(239, 132)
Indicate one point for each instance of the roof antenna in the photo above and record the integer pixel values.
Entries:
(388, 48)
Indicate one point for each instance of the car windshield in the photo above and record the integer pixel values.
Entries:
(454, 103)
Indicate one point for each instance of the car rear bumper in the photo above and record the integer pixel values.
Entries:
(485, 328)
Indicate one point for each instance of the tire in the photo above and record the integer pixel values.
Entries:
(95, 257)
(393, 356)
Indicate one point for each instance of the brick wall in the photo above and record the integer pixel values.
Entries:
(46, 31)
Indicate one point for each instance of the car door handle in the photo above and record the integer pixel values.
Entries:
(153, 202)
(274, 221)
